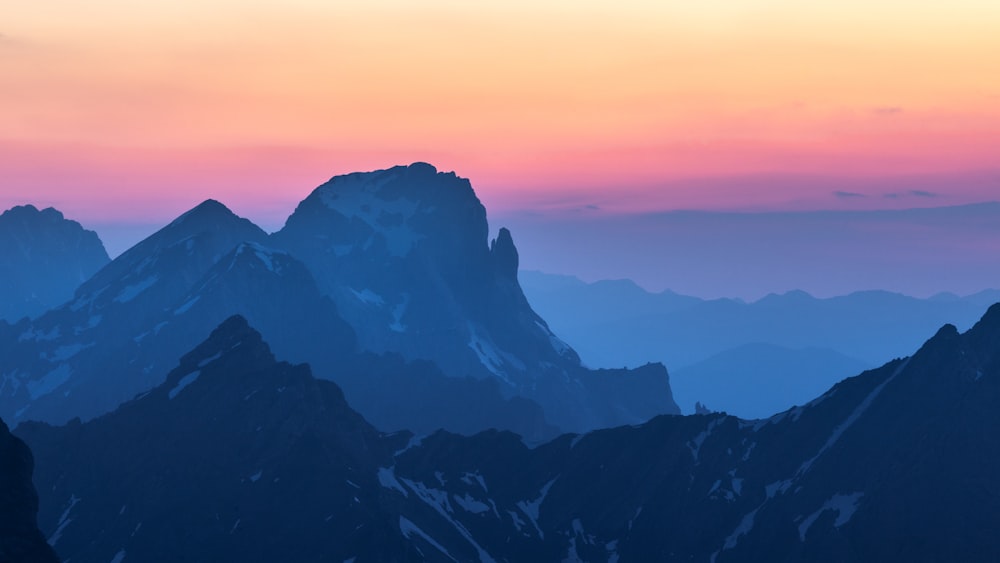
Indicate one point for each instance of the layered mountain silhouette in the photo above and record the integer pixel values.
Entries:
(43, 259)
(239, 456)
(758, 380)
(786, 348)
(20, 539)
(423, 331)
(405, 254)
(127, 325)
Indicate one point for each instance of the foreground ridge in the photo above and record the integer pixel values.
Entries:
(250, 457)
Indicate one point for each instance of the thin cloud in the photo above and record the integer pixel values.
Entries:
(887, 110)
(847, 195)
(911, 193)
(7, 40)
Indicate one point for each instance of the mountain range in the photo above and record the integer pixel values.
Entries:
(784, 348)
(385, 282)
(43, 258)
(370, 383)
(238, 455)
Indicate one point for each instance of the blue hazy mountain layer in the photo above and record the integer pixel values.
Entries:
(779, 351)
(385, 282)
(43, 259)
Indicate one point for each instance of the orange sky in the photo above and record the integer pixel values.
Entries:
(117, 107)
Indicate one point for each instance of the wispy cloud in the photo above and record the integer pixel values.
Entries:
(847, 195)
(911, 193)
(7, 40)
(887, 110)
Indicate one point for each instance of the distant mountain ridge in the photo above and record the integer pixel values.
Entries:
(43, 258)
(340, 279)
(807, 339)
(894, 464)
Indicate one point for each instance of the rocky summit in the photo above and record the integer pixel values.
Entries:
(405, 253)
(384, 282)
(43, 258)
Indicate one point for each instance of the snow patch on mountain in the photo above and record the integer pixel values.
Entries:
(368, 297)
(39, 335)
(132, 291)
(558, 345)
(695, 444)
(49, 382)
(268, 257)
(67, 351)
(854, 416)
(531, 509)
(387, 478)
(356, 198)
(397, 314)
(438, 500)
(64, 521)
(187, 305)
(470, 504)
(843, 505)
(488, 355)
(470, 478)
(184, 382)
(408, 529)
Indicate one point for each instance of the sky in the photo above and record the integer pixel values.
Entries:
(124, 114)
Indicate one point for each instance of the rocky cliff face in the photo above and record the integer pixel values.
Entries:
(405, 254)
(20, 539)
(371, 267)
(43, 259)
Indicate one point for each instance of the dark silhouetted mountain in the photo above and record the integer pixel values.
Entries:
(237, 456)
(759, 380)
(20, 539)
(234, 457)
(405, 254)
(43, 259)
(615, 323)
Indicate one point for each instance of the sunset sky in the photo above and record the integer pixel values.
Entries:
(115, 110)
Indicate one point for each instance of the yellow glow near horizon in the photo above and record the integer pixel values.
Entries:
(515, 83)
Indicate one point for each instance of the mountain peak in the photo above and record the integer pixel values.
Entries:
(504, 254)
(30, 213)
(234, 332)
(392, 211)
(234, 340)
(207, 210)
(44, 257)
(180, 252)
(20, 209)
(422, 168)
